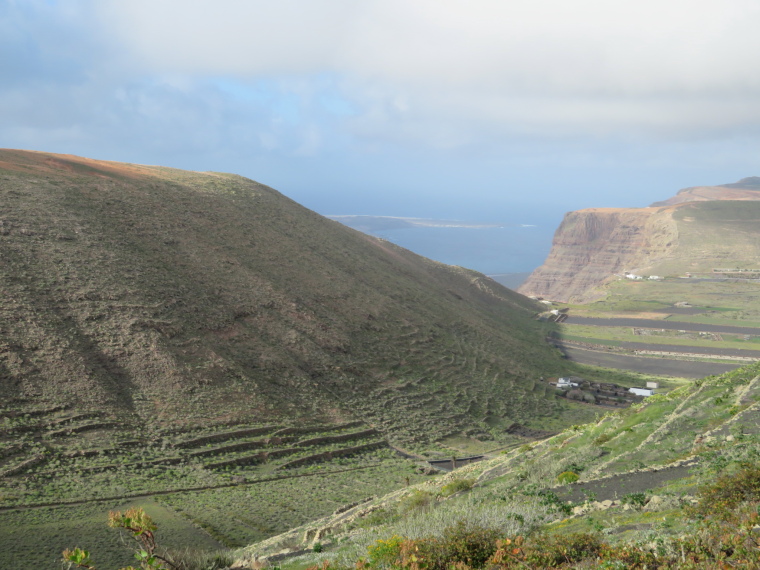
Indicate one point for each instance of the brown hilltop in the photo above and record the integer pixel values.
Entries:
(745, 189)
(595, 246)
(171, 296)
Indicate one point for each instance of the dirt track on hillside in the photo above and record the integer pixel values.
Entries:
(616, 487)
(654, 324)
(656, 366)
(707, 350)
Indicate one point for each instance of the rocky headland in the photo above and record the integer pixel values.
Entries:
(688, 232)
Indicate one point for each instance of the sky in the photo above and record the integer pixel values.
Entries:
(510, 111)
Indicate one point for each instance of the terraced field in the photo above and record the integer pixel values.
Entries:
(222, 485)
(648, 336)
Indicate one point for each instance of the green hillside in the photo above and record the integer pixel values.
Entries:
(721, 234)
(198, 345)
(164, 297)
(672, 482)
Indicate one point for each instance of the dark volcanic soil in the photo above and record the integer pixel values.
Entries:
(655, 324)
(617, 487)
(658, 366)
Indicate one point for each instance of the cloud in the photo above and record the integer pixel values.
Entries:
(447, 72)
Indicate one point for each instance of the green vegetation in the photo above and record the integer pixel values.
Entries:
(161, 297)
(137, 523)
(169, 475)
(717, 302)
(567, 477)
(195, 343)
(636, 473)
(197, 349)
(457, 486)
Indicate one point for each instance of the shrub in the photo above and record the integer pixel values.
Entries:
(636, 500)
(602, 439)
(415, 501)
(385, 553)
(142, 528)
(549, 551)
(460, 544)
(720, 499)
(554, 550)
(567, 477)
(456, 486)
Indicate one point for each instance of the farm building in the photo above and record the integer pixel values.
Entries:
(642, 391)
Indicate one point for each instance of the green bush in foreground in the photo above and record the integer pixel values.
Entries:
(142, 528)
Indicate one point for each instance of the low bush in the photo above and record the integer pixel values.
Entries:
(456, 486)
(567, 477)
(602, 439)
(720, 499)
(460, 544)
(551, 551)
(385, 553)
(416, 501)
(635, 500)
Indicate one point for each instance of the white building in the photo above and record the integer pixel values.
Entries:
(566, 383)
(642, 391)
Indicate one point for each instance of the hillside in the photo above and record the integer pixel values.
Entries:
(167, 298)
(696, 232)
(668, 483)
(745, 189)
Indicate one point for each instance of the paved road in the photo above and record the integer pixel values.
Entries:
(655, 324)
(657, 366)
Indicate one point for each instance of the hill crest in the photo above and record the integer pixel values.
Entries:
(173, 296)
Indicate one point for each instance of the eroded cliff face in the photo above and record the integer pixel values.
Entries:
(591, 246)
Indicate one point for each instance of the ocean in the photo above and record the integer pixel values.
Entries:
(494, 251)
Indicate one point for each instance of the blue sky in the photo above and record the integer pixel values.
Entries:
(493, 110)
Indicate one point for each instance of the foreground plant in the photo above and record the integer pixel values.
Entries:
(142, 528)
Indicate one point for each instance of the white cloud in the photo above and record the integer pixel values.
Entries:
(652, 67)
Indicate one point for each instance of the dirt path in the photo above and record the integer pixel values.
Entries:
(654, 324)
(706, 350)
(615, 487)
(656, 366)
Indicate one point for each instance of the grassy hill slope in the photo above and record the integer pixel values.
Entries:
(672, 482)
(164, 296)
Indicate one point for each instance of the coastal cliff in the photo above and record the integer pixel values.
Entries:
(696, 231)
(591, 246)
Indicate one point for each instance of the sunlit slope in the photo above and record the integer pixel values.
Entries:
(714, 235)
(170, 296)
